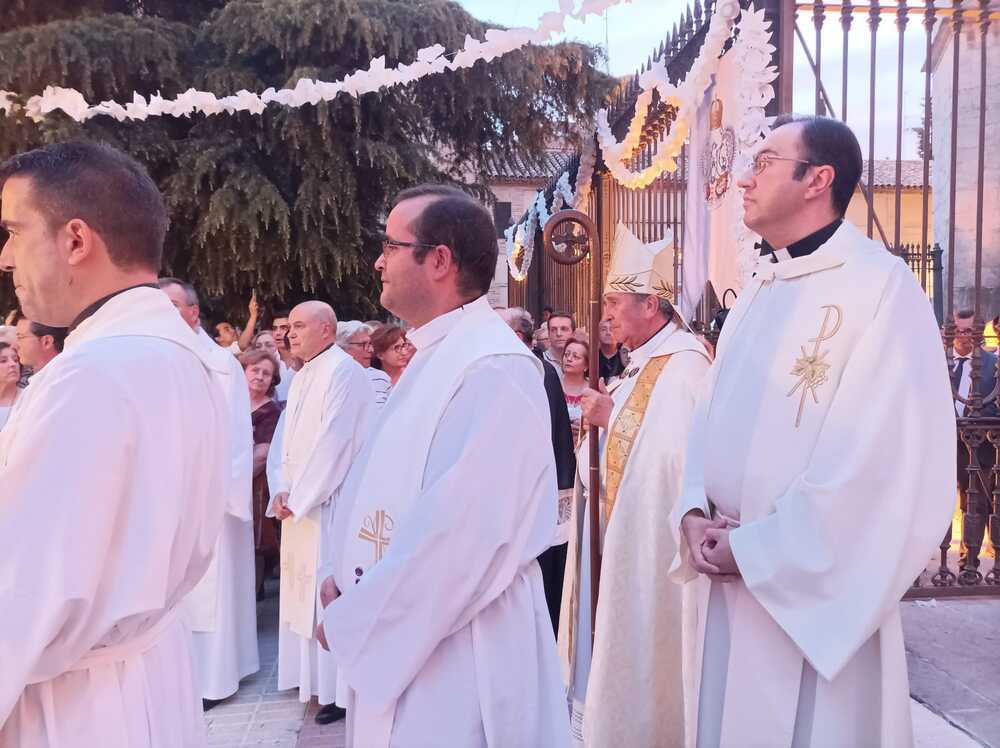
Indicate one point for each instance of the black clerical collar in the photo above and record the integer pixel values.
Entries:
(804, 246)
(323, 351)
(91, 310)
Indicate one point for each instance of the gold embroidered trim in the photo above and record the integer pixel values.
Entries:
(621, 439)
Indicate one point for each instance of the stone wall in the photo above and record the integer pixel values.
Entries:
(966, 181)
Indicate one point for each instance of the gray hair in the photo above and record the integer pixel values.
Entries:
(347, 330)
(192, 295)
(665, 307)
(519, 320)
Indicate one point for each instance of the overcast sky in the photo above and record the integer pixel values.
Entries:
(633, 30)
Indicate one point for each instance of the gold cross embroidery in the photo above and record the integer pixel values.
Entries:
(812, 368)
(376, 531)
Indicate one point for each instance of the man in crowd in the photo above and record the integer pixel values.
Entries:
(631, 690)
(222, 610)
(92, 651)
(807, 525)
(288, 365)
(977, 484)
(553, 560)
(321, 431)
(612, 357)
(560, 327)
(439, 605)
(227, 337)
(38, 344)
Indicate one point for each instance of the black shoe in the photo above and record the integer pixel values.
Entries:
(207, 704)
(329, 714)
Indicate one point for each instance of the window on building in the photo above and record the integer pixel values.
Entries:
(502, 217)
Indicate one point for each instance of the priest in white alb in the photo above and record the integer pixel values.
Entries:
(330, 406)
(222, 610)
(631, 690)
(113, 466)
(440, 626)
(821, 470)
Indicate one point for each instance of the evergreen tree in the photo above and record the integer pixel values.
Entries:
(289, 203)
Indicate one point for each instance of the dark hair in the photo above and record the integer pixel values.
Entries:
(965, 314)
(460, 223)
(255, 356)
(563, 315)
(383, 339)
(829, 142)
(280, 314)
(547, 309)
(525, 330)
(102, 186)
(58, 334)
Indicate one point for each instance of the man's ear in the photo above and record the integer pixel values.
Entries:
(821, 181)
(81, 241)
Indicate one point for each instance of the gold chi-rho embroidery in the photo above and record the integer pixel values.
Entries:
(376, 529)
(812, 368)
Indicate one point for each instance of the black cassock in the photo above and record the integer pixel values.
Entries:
(553, 561)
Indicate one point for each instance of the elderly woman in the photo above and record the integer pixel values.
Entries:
(264, 341)
(356, 338)
(392, 351)
(261, 370)
(10, 374)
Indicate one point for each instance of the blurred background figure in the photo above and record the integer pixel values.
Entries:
(575, 373)
(38, 344)
(10, 374)
(610, 355)
(356, 338)
(392, 351)
(261, 369)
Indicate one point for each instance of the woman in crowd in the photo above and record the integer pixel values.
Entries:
(391, 351)
(261, 370)
(264, 341)
(10, 374)
(575, 362)
(356, 338)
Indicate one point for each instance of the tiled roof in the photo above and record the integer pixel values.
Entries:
(911, 175)
(518, 168)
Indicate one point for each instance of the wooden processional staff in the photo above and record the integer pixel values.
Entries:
(570, 236)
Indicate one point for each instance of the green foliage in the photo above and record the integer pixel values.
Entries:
(289, 203)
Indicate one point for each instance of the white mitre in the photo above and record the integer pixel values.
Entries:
(641, 268)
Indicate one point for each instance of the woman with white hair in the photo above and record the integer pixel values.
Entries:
(356, 338)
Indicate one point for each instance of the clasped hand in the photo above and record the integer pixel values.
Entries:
(708, 543)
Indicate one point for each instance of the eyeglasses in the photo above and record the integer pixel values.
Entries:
(402, 347)
(366, 346)
(387, 243)
(762, 160)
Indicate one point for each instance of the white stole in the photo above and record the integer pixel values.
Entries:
(382, 497)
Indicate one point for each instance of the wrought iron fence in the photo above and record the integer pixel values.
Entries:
(946, 53)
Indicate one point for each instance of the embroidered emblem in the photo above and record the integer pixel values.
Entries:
(812, 368)
(625, 283)
(376, 529)
(717, 159)
(298, 577)
(664, 290)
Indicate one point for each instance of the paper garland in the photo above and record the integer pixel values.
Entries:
(753, 46)
(430, 60)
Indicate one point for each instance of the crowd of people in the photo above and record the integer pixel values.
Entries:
(420, 487)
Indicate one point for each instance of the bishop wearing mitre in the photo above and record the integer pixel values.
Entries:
(821, 470)
(630, 691)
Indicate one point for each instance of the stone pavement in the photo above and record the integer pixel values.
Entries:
(951, 647)
(259, 714)
(953, 651)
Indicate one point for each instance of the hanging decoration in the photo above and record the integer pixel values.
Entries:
(753, 49)
(430, 60)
